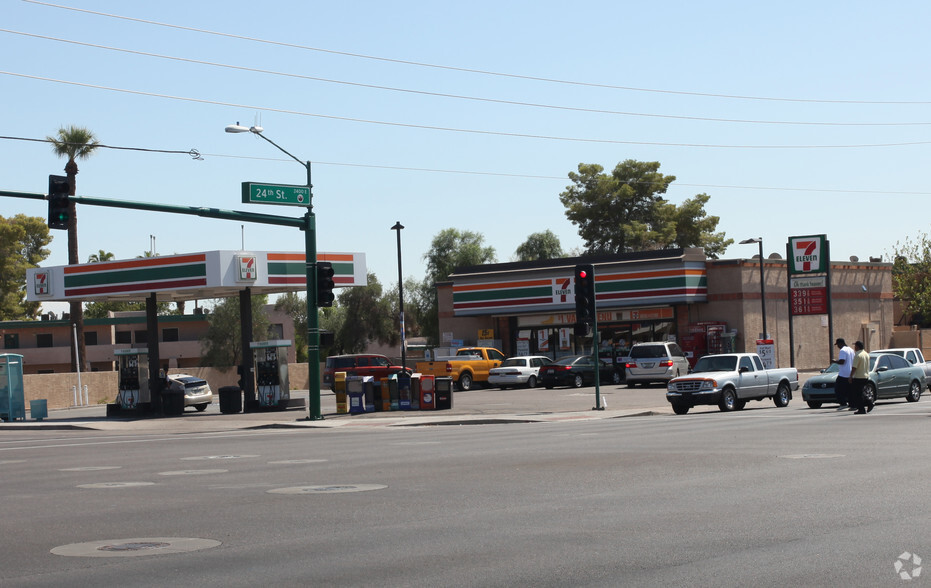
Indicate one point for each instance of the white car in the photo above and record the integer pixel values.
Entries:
(197, 392)
(517, 371)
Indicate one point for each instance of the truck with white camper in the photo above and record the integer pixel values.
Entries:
(730, 380)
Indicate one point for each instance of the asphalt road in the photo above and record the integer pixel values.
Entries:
(765, 497)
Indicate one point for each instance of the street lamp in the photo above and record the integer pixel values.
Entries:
(397, 227)
(762, 279)
(310, 255)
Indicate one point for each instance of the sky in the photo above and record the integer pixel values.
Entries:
(797, 118)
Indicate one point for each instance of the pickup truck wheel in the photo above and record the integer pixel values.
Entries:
(465, 382)
(781, 399)
(914, 392)
(532, 382)
(728, 400)
(814, 404)
(679, 408)
(740, 404)
(577, 381)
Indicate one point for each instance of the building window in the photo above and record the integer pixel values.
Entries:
(124, 337)
(276, 331)
(169, 335)
(11, 341)
(44, 340)
(90, 338)
(141, 336)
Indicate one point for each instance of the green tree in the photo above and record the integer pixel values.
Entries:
(23, 242)
(911, 277)
(538, 246)
(295, 306)
(625, 211)
(74, 143)
(222, 344)
(101, 255)
(368, 318)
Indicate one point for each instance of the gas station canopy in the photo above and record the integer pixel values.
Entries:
(189, 276)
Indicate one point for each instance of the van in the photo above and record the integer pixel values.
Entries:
(658, 361)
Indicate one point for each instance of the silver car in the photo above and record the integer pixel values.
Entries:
(518, 371)
(197, 392)
(655, 362)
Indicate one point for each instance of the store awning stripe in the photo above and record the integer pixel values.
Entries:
(135, 276)
(516, 293)
(502, 285)
(136, 287)
(502, 303)
(142, 262)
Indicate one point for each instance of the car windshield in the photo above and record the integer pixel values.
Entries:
(717, 363)
(831, 369)
(641, 351)
(514, 362)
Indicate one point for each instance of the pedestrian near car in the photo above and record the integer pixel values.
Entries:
(842, 386)
(860, 378)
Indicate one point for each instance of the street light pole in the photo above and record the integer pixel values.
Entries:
(310, 254)
(762, 281)
(397, 227)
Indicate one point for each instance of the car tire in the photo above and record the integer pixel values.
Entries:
(577, 381)
(616, 378)
(869, 393)
(465, 382)
(728, 401)
(200, 407)
(532, 382)
(548, 386)
(814, 404)
(740, 404)
(914, 391)
(679, 408)
(783, 394)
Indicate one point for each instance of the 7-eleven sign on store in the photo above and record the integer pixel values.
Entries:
(808, 255)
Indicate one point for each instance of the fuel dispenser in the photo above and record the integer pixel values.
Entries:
(271, 373)
(134, 378)
(12, 396)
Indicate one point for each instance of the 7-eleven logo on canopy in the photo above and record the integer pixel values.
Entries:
(41, 283)
(808, 254)
(247, 267)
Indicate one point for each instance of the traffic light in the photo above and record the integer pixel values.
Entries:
(584, 293)
(325, 284)
(58, 212)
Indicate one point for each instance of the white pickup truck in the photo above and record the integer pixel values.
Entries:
(912, 355)
(730, 380)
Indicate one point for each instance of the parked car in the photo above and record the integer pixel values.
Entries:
(655, 362)
(912, 355)
(359, 364)
(576, 371)
(518, 371)
(891, 376)
(197, 392)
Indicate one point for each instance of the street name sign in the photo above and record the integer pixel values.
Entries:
(254, 193)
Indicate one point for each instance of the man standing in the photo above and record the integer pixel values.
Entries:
(842, 385)
(861, 375)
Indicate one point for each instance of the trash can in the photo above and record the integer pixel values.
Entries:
(172, 402)
(339, 389)
(404, 391)
(355, 392)
(444, 393)
(230, 399)
(38, 409)
(427, 396)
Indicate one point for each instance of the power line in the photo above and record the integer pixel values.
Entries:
(194, 153)
(472, 70)
(459, 130)
(459, 96)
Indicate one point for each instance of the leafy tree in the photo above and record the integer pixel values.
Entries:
(538, 246)
(23, 242)
(368, 317)
(222, 344)
(911, 277)
(625, 211)
(295, 306)
(101, 255)
(74, 143)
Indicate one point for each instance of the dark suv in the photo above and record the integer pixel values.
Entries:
(360, 364)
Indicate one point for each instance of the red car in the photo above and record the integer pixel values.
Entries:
(359, 364)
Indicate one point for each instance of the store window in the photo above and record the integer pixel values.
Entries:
(11, 341)
(169, 335)
(124, 337)
(44, 340)
(90, 337)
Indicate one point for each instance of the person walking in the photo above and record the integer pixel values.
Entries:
(842, 386)
(859, 379)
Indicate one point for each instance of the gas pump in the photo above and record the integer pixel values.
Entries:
(134, 378)
(271, 373)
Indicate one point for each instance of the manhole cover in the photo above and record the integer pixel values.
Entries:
(327, 489)
(116, 485)
(192, 472)
(135, 547)
(812, 456)
(90, 469)
(204, 457)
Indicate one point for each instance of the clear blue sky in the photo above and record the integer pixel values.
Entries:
(714, 91)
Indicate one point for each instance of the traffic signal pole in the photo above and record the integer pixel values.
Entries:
(586, 312)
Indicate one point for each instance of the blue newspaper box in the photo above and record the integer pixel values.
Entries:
(356, 393)
(404, 391)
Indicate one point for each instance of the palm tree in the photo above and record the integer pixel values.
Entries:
(74, 143)
(100, 256)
